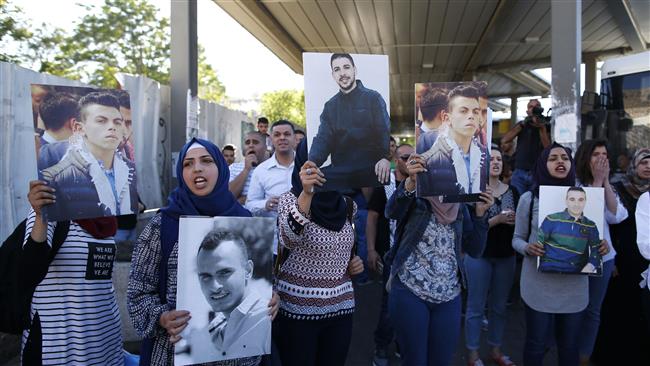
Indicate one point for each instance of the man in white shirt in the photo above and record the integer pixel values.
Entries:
(272, 178)
(241, 173)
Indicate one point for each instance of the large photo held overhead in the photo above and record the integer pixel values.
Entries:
(453, 138)
(348, 125)
(224, 281)
(84, 150)
(571, 229)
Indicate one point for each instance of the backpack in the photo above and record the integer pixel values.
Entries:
(19, 276)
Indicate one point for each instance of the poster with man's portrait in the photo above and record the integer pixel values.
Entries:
(85, 151)
(571, 229)
(453, 137)
(347, 110)
(224, 281)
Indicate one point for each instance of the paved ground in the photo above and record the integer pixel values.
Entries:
(362, 347)
(367, 311)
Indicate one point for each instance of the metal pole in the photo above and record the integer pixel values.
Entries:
(590, 75)
(566, 47)
(184, 66)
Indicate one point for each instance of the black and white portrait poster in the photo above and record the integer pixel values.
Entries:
(570, 229)
(453, 137)
(347, 110)
(224, 281)
(84, 150)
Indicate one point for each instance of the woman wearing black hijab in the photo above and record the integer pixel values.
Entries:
(314, 324)
(553, 301)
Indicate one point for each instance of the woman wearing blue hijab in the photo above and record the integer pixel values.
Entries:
(203, 176)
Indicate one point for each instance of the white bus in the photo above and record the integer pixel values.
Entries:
(625, 95)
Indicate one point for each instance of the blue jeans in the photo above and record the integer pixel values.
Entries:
(522, 180)
(362, 247)
(493, 277)
(567, 331)
(427, 333)
(591, 315)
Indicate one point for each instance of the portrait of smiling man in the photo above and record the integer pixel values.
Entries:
(93, 179)
(237, 324)
(354, 127)
(571, 240)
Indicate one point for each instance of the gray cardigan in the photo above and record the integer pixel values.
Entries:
(545, 292)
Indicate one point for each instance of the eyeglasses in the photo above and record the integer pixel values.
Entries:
(404, 158)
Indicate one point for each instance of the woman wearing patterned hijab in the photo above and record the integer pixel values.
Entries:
(202, 190)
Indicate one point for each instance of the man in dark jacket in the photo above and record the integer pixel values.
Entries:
(92, 179)
(354, 130)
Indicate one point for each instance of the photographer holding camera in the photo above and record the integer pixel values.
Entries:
(532, 137)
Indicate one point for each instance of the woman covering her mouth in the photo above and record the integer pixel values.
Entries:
(203, 176)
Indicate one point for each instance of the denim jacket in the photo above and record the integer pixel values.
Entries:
(470, 230)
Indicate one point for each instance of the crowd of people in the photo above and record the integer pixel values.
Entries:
(436, 260)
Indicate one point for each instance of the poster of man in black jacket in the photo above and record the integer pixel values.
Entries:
(456, 159)
(353, 129)
(91, 175)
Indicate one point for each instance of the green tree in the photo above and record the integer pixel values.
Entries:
(210, 87)
(14, 30)
(126, 36)
(120, 35)
(284, 104)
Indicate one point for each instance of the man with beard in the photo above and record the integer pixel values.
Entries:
(254, 152)
(354, 130)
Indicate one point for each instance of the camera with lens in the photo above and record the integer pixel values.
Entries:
(537, 112)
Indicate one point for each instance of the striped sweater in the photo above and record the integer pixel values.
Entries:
(313, 282)
(569, 244)
(80, 320)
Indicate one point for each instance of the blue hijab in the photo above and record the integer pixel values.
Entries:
(220, 202)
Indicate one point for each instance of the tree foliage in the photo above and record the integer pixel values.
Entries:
(126, 36)
(284, 104)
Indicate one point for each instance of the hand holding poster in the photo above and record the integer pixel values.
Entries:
(348, 126)
(85, 152)
(224, 281)
(571, 229)
(452, 138)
